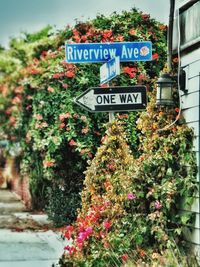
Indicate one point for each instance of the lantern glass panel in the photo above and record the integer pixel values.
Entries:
(166, 92)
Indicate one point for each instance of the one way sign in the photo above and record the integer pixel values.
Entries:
(99, 99)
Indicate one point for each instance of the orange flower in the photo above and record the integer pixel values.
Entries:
(141, 252)
(163, 27)
(107, 34)
(175, 60)
(50, 89)
(120, 38)
(48, 163)
(133, 32)
(84, 130)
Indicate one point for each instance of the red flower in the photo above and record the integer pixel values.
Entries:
(155, 56)
(177, 110)
(124, 257)
(69, 74)
(107, 225)
(69, 228)
(145, 16)
(107, 34)
(84, 38)
(57, 75)
(70, 249)
(62, 125)
(130, 71)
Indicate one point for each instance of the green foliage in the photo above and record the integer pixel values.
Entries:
(62, 204)
(37, 36)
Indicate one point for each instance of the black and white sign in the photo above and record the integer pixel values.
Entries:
(99, 99)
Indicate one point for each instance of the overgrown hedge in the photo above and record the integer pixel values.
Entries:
(56, 136)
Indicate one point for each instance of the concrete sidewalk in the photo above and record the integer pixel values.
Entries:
(26, 239)
(30, 249)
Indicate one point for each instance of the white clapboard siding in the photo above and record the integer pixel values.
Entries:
(191, 114)
(193, 208)
(192, 236)
(196, 222)
(195, 127)
(190, 104)
(190, 100)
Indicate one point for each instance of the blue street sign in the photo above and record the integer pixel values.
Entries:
(102, 52)
(109, 70)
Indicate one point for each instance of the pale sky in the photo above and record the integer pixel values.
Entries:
(31, 15)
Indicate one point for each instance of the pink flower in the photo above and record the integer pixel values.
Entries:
(107, 225)
(65, 85)
(89, 231)
(102, 234)
(72, 143)
(70, 249)
(157, 204)
(81, 237)
(131, 196)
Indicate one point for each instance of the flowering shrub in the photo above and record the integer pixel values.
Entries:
(36, 105)
(130, 207)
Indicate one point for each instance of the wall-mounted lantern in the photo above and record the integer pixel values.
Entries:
(164, 90)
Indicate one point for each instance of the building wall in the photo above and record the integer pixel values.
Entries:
(190, 110)
(190, 62)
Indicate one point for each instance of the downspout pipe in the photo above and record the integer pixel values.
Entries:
(170, 35)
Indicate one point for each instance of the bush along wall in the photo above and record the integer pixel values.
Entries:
(56, 136)
(130, 206)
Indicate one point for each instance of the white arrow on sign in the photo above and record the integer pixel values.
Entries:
(99, 99)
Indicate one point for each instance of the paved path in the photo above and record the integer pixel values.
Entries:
(20, 246)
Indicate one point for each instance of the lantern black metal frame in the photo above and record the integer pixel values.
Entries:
(164, 95)
(165, 86)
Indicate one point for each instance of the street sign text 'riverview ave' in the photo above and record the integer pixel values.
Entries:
(99, 99)
(102, 52)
